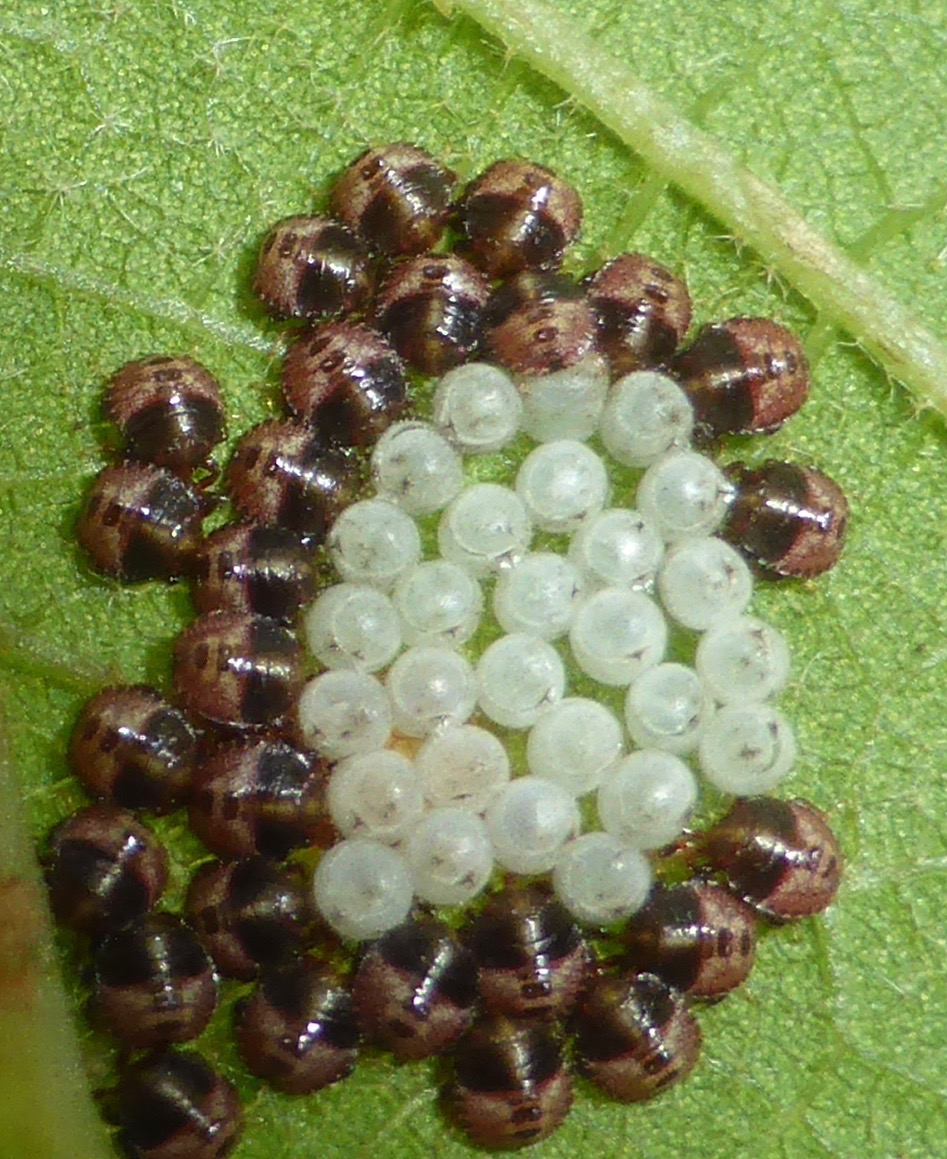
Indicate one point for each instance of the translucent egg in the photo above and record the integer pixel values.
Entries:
(703, 581)
(373, 542)
(562, 483)
(362, 888)
(574, 743)
(437, 603)
(742, 659)
(478, 408)
(600, 880)
(529, 822)
(376, 795)
(463, 767)
(537, 596)
(430, 687)
(567, 403)
(684, 494)
(617, 548)
(485, 529)
(416, 467)
(617, 634)
(352, 626)
(647, 798)
(344, 713)
(747, 749)
(646, 414)
(666, 708)
(519, 676)
(449, 857)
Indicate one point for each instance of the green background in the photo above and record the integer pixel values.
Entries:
(146, 149)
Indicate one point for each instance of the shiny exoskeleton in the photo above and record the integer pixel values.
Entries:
(249, 913)
(253, 569)
(154, 983)
(642, 312)
(698, 937)
(744, 375)
(172, 1105)
(511, 1086)
(141, 522)
(540, 323)
(780, 856)
(298, 1028)
(131, 747)
(531, 956)
(397, 198)
(518, 215)
(788, 519)
(282, 473)
(258, 796)
(237, 670)
(105, 869)
(169, 410)
(344, 381)
(310, 267)
(431, 308)
(635, 1036)
(416, 989)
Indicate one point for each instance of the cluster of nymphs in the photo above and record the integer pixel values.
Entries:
(338, 742)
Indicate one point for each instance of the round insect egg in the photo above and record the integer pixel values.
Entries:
(684, 494)
(297, 1029)
(617, 548)
(743, 375)
(478, 408)
(646, 414)
(141, 522)
(373, 542)
(377, 795)
(430, 687)
(741, 659)
(697, 937)
(538, 595)
(647, 798)
(532, 959)
(312, 266)
(172, 1104)
(342, 714)
(345, 382)
(104, 870)
(565, 404)
(511, 1086)
(154, 983)
(396, 197)
(518, 215)
(642, 311)
(262, 571)
(484, 529)
(449, 857)
(747, 749)
(237, 670)
(416, 468)
(790, 520)
(362, 889)
(353, 626)
(259, 795)
(131, 747)
(617, 634)
(529, 821)
(431, 309)
(562, 484)
(437, 603)
(462, 767)
(702, 581)
(249, 914)
(518, 677)
(600, 880)
(415, 990)
(780, 856)
(574, 743)
(667, 708)
(635, 1036)
(169, 411)
(282, 473)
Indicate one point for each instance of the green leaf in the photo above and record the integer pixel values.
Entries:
(147, 148)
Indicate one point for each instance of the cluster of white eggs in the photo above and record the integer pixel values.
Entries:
(431, 818)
